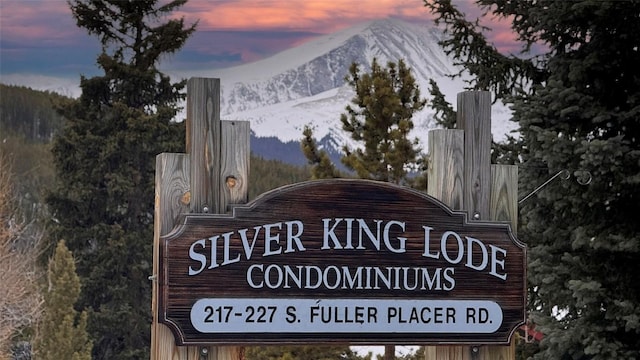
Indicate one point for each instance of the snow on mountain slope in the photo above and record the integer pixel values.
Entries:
(305, 85)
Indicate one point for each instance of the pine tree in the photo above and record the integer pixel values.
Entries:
(578, 106)
(20, 300)
(105, 157)
(322, 167)
(380, 118)
(62, 332)
(444, 115)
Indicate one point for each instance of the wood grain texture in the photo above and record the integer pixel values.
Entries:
(309, 203)
(171, 189)
(235, 154)
(480, 352)
(504, 194)
(489, 191)
(474, 117)
(446, 172)
(189, 183)
(234, 189)
(454, 352)
(204, 142)
(208, 149)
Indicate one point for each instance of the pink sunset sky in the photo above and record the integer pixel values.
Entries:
(41, 37)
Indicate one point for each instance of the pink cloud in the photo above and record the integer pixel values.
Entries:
(323, 16)
(229, 31)
(499, 34)
(38, 21)
(46, 21)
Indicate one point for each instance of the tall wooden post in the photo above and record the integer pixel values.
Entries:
(212, 175)
(389, 352)
(461, 176)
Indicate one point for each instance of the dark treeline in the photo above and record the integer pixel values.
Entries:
(28, 121)
(29, 113)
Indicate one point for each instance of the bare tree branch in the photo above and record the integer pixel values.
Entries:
(21, 301)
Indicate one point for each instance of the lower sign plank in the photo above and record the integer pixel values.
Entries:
(263, 315)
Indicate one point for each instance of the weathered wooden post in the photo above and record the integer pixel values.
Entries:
(354, 261)
(460, 175)
(212, 175)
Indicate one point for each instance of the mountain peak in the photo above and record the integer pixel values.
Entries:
(321, 64)
(370, 32)
(305, 85)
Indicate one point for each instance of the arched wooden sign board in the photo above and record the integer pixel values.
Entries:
(341, 260)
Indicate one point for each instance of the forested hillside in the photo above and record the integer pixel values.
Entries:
(266, 175)
(28, 113)
(27, 124)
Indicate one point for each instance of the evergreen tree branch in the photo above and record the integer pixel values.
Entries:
(322, 167)
(503, 75)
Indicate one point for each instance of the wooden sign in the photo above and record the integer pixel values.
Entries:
(353, 261)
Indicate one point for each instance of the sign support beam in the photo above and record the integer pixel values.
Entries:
(211, 176)
(460, 175)
(198, 242)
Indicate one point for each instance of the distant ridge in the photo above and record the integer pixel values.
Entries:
(321, 64)
(305, 85)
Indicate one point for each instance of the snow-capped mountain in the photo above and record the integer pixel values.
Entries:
(305, 85)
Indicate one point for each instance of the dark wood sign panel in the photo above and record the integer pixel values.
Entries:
(341, 260)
